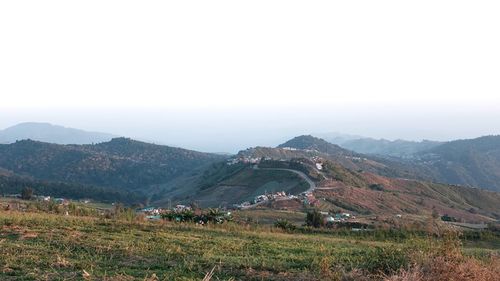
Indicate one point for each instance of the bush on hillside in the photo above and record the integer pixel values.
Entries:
(285, 225)
(376, 187)
(314, 219)
(210, 216)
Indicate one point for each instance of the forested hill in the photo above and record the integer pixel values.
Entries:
(473, 162)
(307, 142)
(397, 148)
(14, 184)
(120, 163)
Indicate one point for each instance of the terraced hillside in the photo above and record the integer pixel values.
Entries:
(227, 185)
(338, 189)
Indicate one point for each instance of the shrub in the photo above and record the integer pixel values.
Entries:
(27, 193)
(376, 186)
(285, 225)
(448, 218)
(314, 219)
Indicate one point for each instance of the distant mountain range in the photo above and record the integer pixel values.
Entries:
(133, 171)
(474, 162)
(396, 148)
(307, 146)
(46, 132)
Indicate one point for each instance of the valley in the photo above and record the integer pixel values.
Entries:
(301, 197)
(133, 172)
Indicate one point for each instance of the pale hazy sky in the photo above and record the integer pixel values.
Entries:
(223, 75)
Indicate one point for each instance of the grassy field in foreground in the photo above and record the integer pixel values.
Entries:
(37, 246)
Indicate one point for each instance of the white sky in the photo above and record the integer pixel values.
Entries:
(201, 61)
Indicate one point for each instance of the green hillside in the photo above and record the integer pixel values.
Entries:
(223, 184)
(121, 163)
(13, 184)
(87, 246)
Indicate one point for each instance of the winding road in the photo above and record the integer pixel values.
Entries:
(312, 184)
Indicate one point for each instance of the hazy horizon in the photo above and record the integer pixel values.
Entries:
(223, 76)
(231, 130)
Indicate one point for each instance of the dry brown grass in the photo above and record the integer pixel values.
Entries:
(443, 269)
(446, 262)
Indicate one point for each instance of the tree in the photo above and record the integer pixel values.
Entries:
(27, 193)
(314, 219)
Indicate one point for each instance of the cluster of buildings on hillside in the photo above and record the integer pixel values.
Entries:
(245, 159)
(62, 201)
(281, 195)
(43, 198)
(22, 205)
(308, 199)
(338, 217)
(355, 158)
(318, 161)
(155, 213)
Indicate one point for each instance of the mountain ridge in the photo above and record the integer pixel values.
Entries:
(46, 132)
(308, 142)
(119, 163)
(162, 172)
(470, 162)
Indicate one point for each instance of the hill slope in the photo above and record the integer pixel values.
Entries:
(308, 142)
(337, 188)
(474, 162)
(309, 147)
(383, 147)
(46, 132)
(367, 193)
(14, 184)
(222, 184)
(397, 148)
(120, 163)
